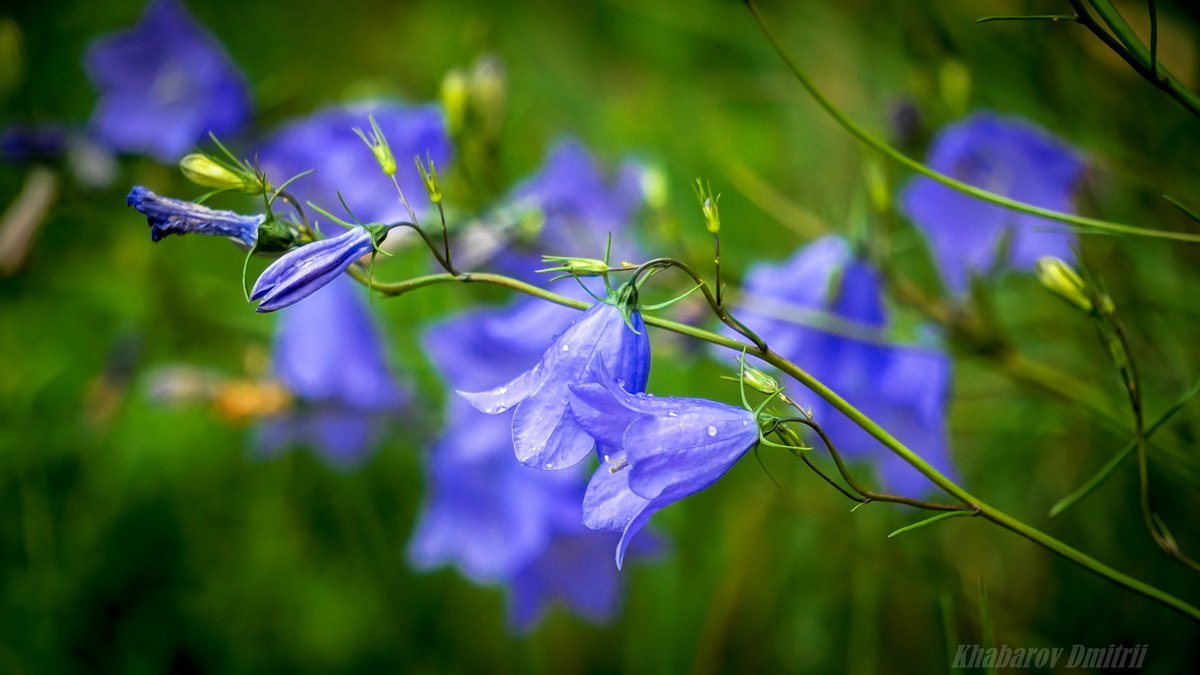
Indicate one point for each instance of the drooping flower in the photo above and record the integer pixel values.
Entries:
(1007, 156)
(494, 519)
(302, 271)
(545, 434)
(326, 142)
(167, 216)
(570, 207)
(164, 84)
(823, 309)
(330, 356)
(660, 451)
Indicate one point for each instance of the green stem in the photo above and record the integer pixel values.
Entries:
(867, 138)
(1143, 60)
(866, 423)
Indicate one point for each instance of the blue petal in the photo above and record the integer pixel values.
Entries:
(609, 504)
(301, 272)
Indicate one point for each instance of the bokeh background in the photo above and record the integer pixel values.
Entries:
(141, 539)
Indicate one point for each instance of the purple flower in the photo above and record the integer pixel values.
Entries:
(494, 519)
(302, 271)
(544, 432)
(569, 207)
(164, 84)
(661, 450)
(34, 142)
(327, 143)
(167, 216)
(1009, 157)
(330, 355)
(902, 387)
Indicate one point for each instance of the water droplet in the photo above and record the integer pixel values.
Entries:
(712, 431)
(745, 423)
(566, 348)
(672, 414)
(499, 409)
(549, 465)
(502, 390)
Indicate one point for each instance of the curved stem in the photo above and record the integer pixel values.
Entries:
(866, 423)
(860, 133)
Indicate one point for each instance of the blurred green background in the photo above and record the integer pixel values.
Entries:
(138, 539)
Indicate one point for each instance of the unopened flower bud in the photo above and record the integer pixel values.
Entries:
(204, 170)
(758, 380)
(708, 206)
(654, 187)
(580, 267)
(430, 177)
(1057, 276)
(454, 100)
(379, 147)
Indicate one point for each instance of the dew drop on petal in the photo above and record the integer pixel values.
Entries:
(549, 465)
(566, 348)
(672, 414)
(712, 431)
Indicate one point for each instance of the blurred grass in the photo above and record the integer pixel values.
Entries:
(151, 541)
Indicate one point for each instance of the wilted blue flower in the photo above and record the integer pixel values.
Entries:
(1007, 156)
(491, 517)
(326, 142)
(164, 84)
(302, 271)
(168, 216)
(903, 387)
(660, 451)
(569, 207)
(544, 432)
(330, 355)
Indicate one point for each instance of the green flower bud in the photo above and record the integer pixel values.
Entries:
(654, 187)
(487, 93)
(379, 147)
(1057, 276)
(758, 380)
(204, 170)
(454, 101)
(430, 178)
(580, 267)
(708, 206)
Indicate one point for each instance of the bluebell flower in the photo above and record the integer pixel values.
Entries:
(494, 519)
(1007, 156)
(330, 356)
(569, 207)
(544, 432)
(903, 387)
(326, 142)
(167, 216)
(300, 272)
(164, 84)
(660, 450)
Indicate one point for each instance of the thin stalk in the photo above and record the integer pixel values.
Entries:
(881, 146)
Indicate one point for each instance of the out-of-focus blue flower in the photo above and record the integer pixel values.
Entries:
(569, 207)
(494, 519)
(330, 355)
(164, 84)
(904, 388)
(167, 216)
(660, 451)
(545, 434)
(302, 271)
(326, 142)
(1007, 156)
(34, 142)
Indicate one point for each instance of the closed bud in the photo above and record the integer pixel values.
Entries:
(379, 147)
(758, 380)
(454, 101)
(708, 206)
(488, 92)
(580, 267)
(204, 170)
(429, 177)
(1057, 276)
(654, 187)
